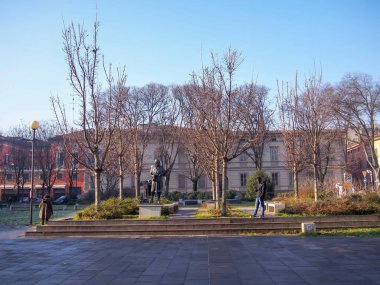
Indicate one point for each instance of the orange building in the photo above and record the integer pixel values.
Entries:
(358, 167)
(53, 172)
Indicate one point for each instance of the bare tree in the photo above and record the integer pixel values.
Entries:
(215, 96)
(316, 122)
(141, 113)
(46, 155)
(20, 163)
(358, 104)
(121, 140)
(19, 155)
(294, 139)
(257, 119)
(97, 122)
(168, 136)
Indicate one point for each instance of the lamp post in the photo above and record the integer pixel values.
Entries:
(4, 177)
(34, 125)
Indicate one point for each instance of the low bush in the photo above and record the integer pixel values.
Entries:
(349, 205)
(203, 195)
(231, 194)
(113, 208)
(214, 213)
(174, 196)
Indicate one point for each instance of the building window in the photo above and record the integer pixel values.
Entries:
(202, 182)
(275, 178)
(9, 176)
(181, 181)
(25, 176)
(243, 179)
(74, 175)
(291, 179)
(60, 159)
(41, 176)
(6, 159)
(181, 157)
(76, 160)
(243, 157)
(273, 153)
(59, 175)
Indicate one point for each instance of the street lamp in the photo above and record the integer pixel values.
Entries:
(34, 125)
(4, 177)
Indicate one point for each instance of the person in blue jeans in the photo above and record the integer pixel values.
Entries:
(260, 190)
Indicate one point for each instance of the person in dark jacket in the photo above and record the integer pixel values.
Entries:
(46, 209)
(260, 190)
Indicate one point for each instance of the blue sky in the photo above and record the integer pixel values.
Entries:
(164, 40)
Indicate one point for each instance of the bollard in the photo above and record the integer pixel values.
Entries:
(308, 228)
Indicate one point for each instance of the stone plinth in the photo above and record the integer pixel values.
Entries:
(274, 207)
(149, 210)
(308, 228)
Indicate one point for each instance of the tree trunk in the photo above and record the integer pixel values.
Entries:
(224, 188)
(137, 184)
(216, 179)
(315, 183)
(295, 184)
(167, 182)
(97, 188)
(195, 185)
(121, 178)
(213, 188)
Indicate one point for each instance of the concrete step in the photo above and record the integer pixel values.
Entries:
(219, 220)
(229, 226)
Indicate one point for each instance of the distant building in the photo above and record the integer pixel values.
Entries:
(70, 178)
(359, 170)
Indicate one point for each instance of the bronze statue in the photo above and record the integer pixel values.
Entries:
(157, 171)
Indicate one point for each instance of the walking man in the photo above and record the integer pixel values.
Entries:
(260, 190)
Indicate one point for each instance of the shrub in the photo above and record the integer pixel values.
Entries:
(252, 185)
(191, 196)
(203, 195)
(113, 208)
(231, 194)
(350, 205)
(174, 196)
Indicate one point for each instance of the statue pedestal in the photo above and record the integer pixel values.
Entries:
(147, 211)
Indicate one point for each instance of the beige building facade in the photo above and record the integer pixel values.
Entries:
(239, 169)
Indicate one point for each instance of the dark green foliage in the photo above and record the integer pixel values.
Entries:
(252, 185)
(231, 194)
(174, 196)
(113, 208)
(203, 195)
(191, 196)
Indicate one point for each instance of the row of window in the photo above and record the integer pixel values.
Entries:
(243, 180)
(26, 176)
(273, 150)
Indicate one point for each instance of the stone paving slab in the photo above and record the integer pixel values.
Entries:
(196, 260)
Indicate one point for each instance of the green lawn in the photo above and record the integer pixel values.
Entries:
(22, 217)
(363, 232)
(360, 232)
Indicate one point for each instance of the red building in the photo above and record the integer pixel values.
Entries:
(54, 172)
(358, 166)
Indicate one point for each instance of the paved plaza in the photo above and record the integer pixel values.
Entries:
(194, 260)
